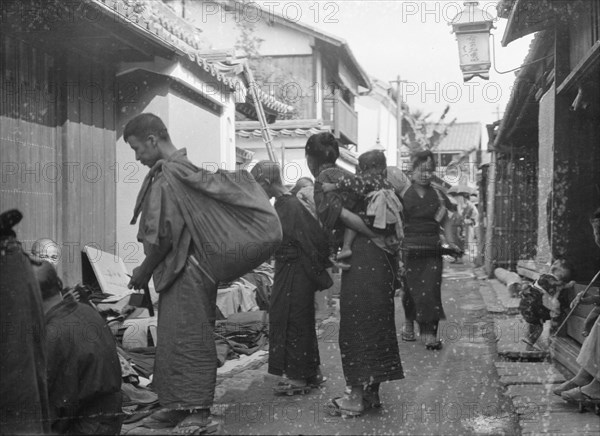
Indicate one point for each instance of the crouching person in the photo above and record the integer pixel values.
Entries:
(544, 300)
(83, 374)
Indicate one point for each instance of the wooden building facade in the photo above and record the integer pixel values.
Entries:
(549, 144)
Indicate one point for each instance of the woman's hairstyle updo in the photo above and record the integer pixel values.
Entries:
(323, 147)
(420, 158)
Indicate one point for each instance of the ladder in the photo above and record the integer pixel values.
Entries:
(262, 119)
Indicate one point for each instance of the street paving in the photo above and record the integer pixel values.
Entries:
(452, 391)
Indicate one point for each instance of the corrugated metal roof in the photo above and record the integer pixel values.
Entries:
(461, 137)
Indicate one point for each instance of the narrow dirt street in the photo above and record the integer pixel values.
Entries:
(452, 391)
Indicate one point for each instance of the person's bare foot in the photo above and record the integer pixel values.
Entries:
(344, 253)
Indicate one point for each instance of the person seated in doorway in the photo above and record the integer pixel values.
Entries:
(83, 369)
(541, 301)
(585, 386)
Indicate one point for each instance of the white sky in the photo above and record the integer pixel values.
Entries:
(413, 39)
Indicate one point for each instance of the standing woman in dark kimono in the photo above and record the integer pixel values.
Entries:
(300, 271)
(425, 213)
(367, 336)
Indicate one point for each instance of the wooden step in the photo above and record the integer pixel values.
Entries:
(565, 350)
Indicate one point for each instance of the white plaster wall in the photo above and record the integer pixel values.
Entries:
(220, 27)
(374, 118)
(294, 160)
(196, 129)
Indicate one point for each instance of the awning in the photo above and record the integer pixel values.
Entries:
(529, 16)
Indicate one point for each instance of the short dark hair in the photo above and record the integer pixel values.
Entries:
(421, 157)
(50, 283)
(323, 147)
(595, 215)
(144, 125)
(373, 159)
(267, 169)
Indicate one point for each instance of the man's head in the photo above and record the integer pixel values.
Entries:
(268, 175)
(46, 249)
(372, 162)
(146, 134)
(46, 275)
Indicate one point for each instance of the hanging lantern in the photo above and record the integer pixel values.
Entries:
(472, 27)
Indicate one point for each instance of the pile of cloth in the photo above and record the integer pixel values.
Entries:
(246, 294)
(242, 333)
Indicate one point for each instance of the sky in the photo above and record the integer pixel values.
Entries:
(412, 39)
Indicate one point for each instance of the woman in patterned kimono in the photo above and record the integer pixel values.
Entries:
(425, 213)
(367, 336)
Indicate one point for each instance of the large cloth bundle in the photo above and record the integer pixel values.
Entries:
(232, 223)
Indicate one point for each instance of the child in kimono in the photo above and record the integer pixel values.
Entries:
(371, 196)
(543, 300)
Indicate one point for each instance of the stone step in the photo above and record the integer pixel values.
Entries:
(510, 332)
(520, 373)
(510, 304)
(542, 412)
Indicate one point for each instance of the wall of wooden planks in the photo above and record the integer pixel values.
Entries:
(29, 140)
(57, 118)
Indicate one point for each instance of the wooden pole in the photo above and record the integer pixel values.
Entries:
(489, 229)
(262, 119)
(399, 117)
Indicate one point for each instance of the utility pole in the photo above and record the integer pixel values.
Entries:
(399, 117)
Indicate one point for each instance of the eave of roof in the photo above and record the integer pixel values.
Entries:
(249, 129)
(157, 21)
(526, 17)
(523, 91)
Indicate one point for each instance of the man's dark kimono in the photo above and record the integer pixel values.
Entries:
(300, 264)
(84, 374)
(23, 392)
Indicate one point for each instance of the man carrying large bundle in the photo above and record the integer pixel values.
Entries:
(197, 228)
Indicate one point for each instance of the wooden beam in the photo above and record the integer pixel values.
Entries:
(583, 68)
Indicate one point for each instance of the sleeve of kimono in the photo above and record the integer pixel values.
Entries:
(354, 184)
(303, 228)
(162, 222)
(329, 205)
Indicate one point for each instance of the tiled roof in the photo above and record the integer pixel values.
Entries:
(159, 21)
(461, 137)
(282, 132)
